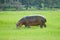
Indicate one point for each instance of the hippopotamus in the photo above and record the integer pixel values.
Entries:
(32, 21)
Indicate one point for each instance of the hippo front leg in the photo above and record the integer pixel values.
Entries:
(27, 26)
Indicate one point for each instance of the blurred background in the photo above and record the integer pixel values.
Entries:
(15, 5)
(11, 11)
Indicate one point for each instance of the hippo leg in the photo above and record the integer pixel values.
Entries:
(45, 25)
(41, 26)
(27, 26)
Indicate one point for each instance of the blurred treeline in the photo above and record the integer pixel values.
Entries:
(29, 4)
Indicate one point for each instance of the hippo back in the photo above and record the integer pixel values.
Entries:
(34, 18)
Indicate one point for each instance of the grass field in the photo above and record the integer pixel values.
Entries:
(8, 30)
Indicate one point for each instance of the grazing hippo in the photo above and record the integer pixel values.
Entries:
(31, 21)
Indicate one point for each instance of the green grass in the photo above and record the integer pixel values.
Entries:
(8, 30)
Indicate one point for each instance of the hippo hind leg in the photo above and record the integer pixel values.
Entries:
(41, 26)
(44, 25)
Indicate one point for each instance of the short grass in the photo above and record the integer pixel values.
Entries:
(8, 30)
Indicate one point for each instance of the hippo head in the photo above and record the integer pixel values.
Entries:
(19, 24)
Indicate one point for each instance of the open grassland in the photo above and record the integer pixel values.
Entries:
(8, 30)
